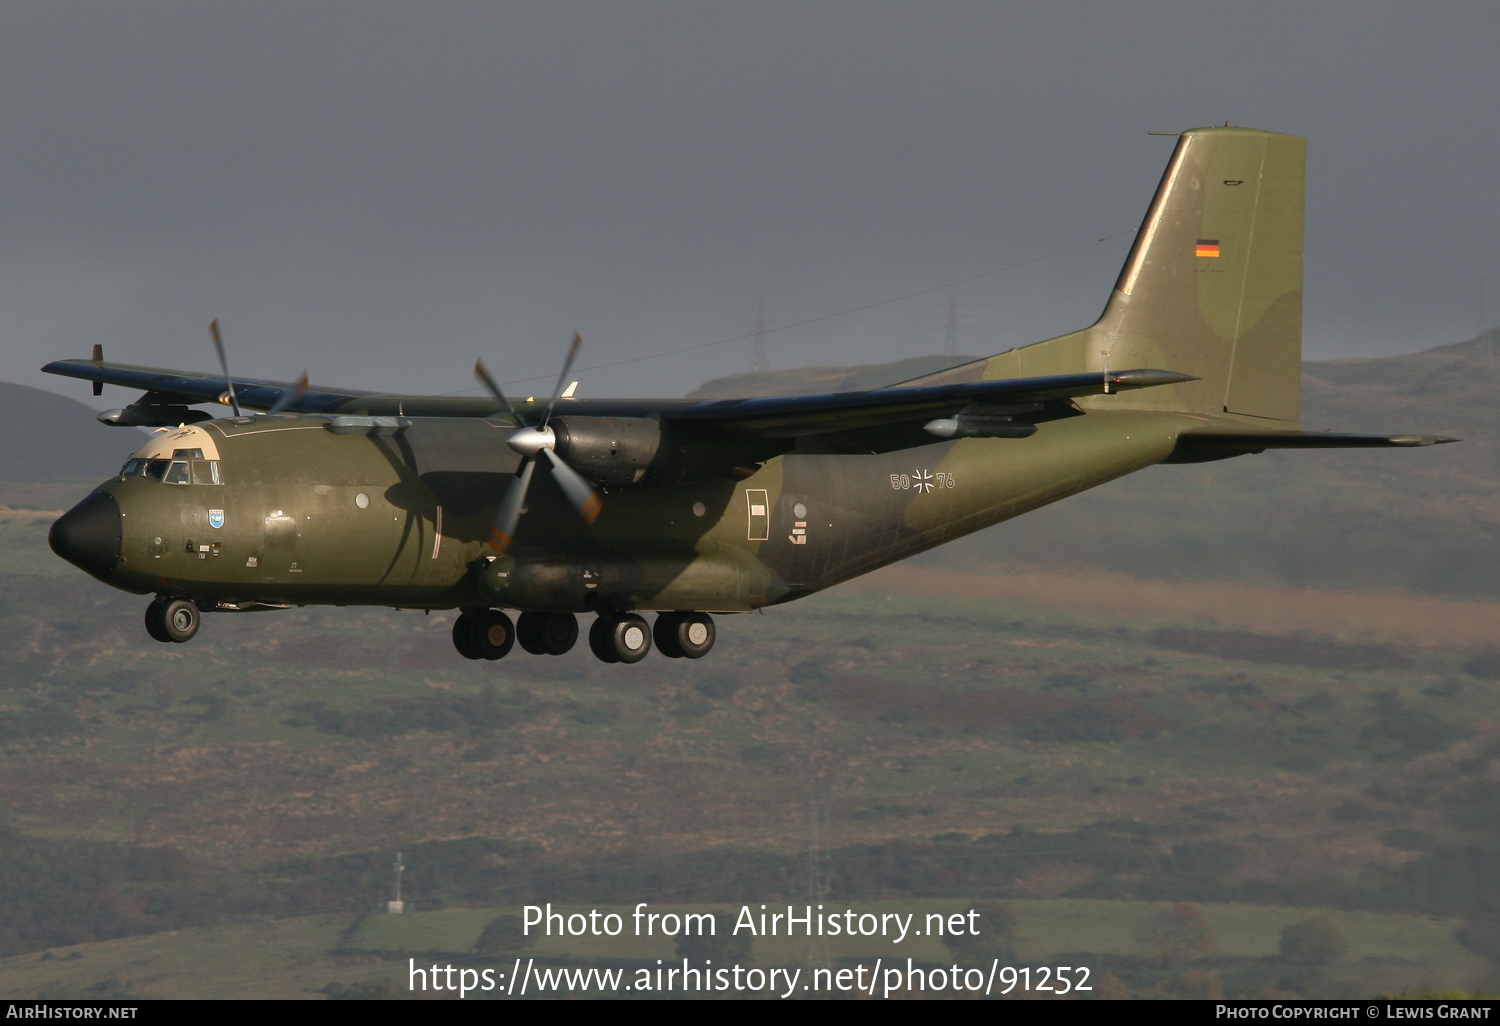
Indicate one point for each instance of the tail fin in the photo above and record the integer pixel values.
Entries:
(1212, 288)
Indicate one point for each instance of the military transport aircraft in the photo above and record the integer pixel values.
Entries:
(560, 506)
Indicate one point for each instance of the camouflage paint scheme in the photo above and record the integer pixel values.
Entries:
(752, 512)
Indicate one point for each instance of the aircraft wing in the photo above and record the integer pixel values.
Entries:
(798, 416)
(777, 417)
(191, 387)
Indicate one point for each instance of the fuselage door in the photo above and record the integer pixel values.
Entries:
(760, 514)
(278, 558)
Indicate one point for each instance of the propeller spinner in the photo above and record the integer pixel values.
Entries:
(533, 443)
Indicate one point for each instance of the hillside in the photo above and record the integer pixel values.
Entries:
(51, 437)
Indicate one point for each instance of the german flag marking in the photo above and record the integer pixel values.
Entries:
(1206, 248)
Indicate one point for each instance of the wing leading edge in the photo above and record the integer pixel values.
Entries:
(773, 417)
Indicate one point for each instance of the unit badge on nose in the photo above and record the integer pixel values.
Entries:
(216, 518)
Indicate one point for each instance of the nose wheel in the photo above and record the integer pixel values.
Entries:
(172, 620)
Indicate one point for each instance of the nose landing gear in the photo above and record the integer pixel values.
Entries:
(172, 620)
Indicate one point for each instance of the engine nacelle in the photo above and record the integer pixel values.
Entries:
(611, 450)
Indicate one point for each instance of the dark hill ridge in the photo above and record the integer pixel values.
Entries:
(50, 437)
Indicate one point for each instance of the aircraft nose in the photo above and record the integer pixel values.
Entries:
(88, 535)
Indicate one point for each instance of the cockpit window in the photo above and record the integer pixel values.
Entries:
(179, 472)
(187, 454)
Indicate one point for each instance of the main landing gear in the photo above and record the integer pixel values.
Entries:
(625, 637)
(613, 638)
(172, 619)
(684, 635)
(547, 633)
(483, 634)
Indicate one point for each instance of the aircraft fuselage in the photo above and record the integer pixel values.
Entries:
(291, 513)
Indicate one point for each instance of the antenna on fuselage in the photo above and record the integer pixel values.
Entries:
(213, 329)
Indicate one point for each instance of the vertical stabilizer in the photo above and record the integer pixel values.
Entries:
(1212, 287)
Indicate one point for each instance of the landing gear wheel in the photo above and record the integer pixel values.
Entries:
(599, 640)
(684, 635)
(620, 639)
(664, 633)
(156, 625)
(547, 633)
(494, 634)
(465, 638)
(172, 620)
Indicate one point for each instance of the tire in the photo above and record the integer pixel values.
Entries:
(664, 632)
(630, 637)
(561, 633)
(531, 632)
(494, 634)
(547, 633)
(464, 637)
(156, 624)
(179, 620)
(599, 640)
(694, 634)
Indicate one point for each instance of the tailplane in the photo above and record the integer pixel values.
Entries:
(1212, 287)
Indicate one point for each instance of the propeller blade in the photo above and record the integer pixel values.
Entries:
(503, 531)
(290, 396)
(213, 329)
(567, 366)
(578, 491)
(484, 375)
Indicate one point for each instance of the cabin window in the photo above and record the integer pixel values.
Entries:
(155, 469)
(177, 473)
(206, 472)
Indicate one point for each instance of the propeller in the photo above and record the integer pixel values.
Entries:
(290, 396)
(535, 443)
(213, 329)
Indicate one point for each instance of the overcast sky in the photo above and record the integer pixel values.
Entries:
(380, 192)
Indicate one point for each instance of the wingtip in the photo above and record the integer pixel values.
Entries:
(1417, 440)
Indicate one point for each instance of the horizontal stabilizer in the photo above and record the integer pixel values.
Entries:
(1196, 446)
